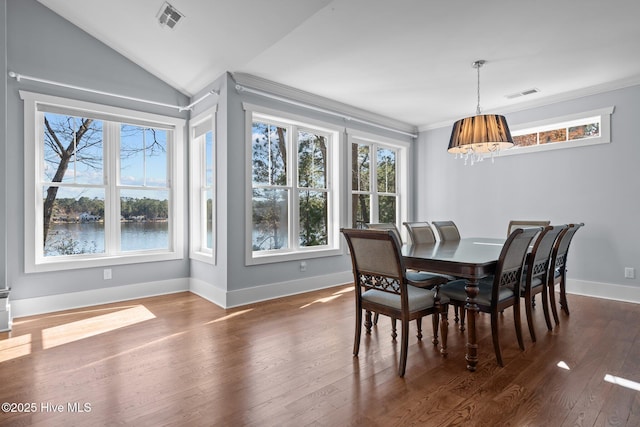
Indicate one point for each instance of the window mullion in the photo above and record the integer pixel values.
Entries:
(294, 185)
(112, 183)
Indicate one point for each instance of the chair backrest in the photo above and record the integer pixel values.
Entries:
(511, 261)
(376, 260)
(386, 226)
(538, 262)
(447, 230)
(561, 248)
(513, 224)
(420, 232)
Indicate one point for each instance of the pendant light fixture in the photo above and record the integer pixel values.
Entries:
(473, 137)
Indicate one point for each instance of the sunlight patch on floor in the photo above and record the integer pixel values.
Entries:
(622, 382)
(563, 365)
(74, 331)
(229, 316)
(14, 347)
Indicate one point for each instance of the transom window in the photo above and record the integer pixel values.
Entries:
(576, 130)
(103, 184)
(293, 206)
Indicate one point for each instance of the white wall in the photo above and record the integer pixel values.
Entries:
(598, 185)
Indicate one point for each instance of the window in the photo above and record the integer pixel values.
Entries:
(576, 130)
(203, 189)
(293, 209)
(378, 179)
(100, 185)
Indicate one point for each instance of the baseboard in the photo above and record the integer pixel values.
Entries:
(277, 290)
(51, 303)
(209, 292)
(604, 290)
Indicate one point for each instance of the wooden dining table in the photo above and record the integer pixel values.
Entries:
(469, 258)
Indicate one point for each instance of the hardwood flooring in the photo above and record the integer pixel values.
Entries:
(179, 360)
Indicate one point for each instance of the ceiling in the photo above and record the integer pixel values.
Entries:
(410, 60)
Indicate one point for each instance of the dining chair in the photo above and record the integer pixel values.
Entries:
(381, 286)
(536, 274)
(501, 290)
(559, 266)
(513, 224)
(447, 230)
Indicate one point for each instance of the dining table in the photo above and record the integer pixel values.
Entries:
(470, 258)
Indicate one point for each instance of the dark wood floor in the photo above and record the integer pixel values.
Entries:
(180, 360)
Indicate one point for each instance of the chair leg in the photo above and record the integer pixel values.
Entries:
(402, 365)
(529, 312)
(435, 321)
(419, 325)
(552, 302)
(518, 323)
(463, 315)
(356, 339)
(545, 307)
(394, 334)
(563, 294)
(367, 322)
(375, 318)
(455, 314)
(444, 329)
(496, 339)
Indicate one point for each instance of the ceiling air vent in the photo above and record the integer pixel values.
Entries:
(523, 93)
(168, 16)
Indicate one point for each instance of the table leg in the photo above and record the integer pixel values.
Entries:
(471, 288)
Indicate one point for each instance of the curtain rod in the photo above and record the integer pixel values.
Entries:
(241, 88)
(180, 108)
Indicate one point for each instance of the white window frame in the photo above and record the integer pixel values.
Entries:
(198, 127)
(402, 175)
(35, 261)
(602, 114)
(334, 179)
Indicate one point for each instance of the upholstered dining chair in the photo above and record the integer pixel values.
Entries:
(513, 224)
(536, 274)
(421, 232)
(559, 266)
(501, 290)
(447, 230)
(381, 286)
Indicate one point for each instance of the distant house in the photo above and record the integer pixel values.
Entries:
(87, 217)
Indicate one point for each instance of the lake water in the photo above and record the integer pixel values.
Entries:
(88, 237)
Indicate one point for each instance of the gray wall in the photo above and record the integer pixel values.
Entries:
(43, 45)
(598, 185)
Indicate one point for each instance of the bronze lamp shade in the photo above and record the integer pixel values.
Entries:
(484, 133)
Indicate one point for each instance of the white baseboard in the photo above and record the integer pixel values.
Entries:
(209, 292)
(277, 290)
(51, 303)
(604, 290)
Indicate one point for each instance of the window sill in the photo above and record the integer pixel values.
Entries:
(73, 263)
(291, 256)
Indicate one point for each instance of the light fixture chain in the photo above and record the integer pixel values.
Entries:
(478, 64)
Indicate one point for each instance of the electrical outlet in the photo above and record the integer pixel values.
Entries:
(303, 266)
(107, 274)
(629, 273)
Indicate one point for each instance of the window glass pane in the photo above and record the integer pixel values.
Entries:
(556, 135)
(591, 130)
(360, 167)
(72, 149)
(361, 208)
(208, 197)
(269, 154)
(525, 140)
(387, 209)
(75, 224)
(312, 160)
(386, 163)
(143, 156)
(208, 158)
(313, 218)
(144, 221)
(270, 219)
